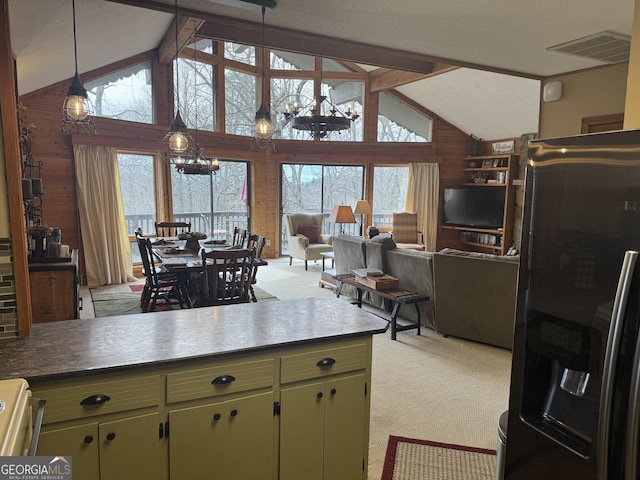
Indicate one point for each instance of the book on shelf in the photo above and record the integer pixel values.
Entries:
(367, 272)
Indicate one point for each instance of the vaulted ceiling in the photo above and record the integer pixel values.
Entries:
(502, 45)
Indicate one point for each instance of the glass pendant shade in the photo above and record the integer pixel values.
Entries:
(262, 127)
(178, 137)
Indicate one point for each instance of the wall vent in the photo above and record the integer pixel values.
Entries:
(605, 46)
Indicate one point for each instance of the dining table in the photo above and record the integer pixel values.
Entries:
(176, 258)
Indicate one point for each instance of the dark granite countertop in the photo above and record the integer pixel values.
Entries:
(77, 347)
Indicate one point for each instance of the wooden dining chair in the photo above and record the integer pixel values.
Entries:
(255, 243)
(226, 277)
(239, 237)
(172, 229)
(160, 284)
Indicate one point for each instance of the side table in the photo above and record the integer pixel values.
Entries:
(397, 298)
(327, 278)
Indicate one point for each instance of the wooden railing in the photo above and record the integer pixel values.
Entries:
(223, 223)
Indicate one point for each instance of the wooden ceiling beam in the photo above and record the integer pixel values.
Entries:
(186, 27)
(385, 78)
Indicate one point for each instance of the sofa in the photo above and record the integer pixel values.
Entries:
(413, 269)
(475, 296)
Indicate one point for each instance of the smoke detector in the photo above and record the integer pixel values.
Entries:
(605, 46)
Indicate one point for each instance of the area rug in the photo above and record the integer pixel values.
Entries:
(112, 301)
(411, 459)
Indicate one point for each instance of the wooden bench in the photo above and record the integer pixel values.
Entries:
(396, 296)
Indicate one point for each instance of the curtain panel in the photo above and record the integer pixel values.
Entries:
(105, 240)
(422, 198)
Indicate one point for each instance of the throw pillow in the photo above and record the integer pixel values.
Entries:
(385, 240)
(305, 238)
(309, 231)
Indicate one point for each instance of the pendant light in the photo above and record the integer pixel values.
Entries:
(262, 126)
(195, 162)
(177, 139)
(77, 110)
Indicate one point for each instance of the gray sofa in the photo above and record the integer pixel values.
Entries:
(413, 270)
(475, 296)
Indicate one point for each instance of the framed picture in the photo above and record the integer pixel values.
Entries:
(487, 163)
(503, 147)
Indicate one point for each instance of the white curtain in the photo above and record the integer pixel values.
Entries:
(422, 198)
(107, 253)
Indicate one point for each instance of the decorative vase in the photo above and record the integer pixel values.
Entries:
(193, 245)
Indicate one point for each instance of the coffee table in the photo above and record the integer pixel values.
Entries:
(396, 296)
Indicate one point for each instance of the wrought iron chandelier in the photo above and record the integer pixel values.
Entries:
(77, 110)
(320, 118)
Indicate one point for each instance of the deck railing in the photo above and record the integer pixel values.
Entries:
(223, 223)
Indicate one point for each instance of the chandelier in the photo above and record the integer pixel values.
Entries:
(77, 111)
(196, 163)
(320, 118)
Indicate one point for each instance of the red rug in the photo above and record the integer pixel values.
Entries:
(138, 287)
(408, 458)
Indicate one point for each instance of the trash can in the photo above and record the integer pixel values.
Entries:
(502, 445)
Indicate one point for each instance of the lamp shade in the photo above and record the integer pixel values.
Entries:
(363, 207)
(342, 214)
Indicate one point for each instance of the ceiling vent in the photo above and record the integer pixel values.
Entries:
(605, 46)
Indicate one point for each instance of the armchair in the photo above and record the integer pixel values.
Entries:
(305, 237)
(405, 231)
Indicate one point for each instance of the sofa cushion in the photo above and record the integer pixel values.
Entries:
(309, 231)
(376, 251)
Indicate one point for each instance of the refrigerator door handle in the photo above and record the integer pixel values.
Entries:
(610, 361)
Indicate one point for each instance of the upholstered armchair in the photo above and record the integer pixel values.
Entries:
(305, 237)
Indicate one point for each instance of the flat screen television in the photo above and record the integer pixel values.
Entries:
(477, 207)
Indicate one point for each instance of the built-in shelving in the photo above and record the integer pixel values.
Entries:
(491, 171)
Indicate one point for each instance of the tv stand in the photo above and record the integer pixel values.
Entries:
(491, 171)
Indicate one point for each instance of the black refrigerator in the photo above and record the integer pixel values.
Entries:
(574, 403)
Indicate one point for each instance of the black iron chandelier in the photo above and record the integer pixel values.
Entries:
(321, 118)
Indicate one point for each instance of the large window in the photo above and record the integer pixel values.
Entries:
(398, 122)
(317, 189)
(197, 92)
(213, 204)
(125, 94)
(240, 102)
(138, 191)
(390, 186)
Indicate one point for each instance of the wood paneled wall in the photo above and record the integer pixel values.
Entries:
(54, 149)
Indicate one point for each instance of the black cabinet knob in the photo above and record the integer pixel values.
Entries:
(319, 395)
(216, 417)
(333, 391)
(88, 439)
(111, 436)
(234, 412)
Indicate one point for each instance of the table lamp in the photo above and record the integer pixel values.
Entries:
(342, 214)
(363, 208)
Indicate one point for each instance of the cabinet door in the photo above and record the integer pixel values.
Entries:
(344, 449)
(249, 440)
(322, 430)
(302, 432)
(79, 443)
(132, 449)
(230, 440)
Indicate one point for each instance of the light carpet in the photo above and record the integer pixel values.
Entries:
(125, 300)
(412, 459)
